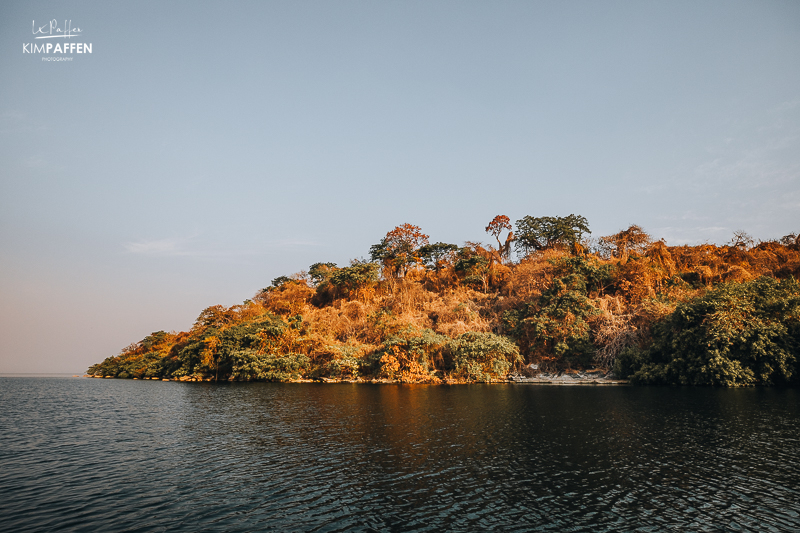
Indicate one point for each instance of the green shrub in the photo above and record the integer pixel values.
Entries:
(248, 365)
(555, 326)
(344, 367)
(483, 357)
(736, 334)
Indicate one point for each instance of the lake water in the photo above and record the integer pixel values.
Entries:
(117, 455)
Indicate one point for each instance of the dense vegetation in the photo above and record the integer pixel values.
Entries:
(421, 312)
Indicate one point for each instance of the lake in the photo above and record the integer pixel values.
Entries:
(120, 455)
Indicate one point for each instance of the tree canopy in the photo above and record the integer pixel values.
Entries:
(399, 249)
(499, 224)
(633, 239)
(434, 256)
(539, 233)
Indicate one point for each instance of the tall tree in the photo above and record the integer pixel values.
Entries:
(495, 228)
(399, 249)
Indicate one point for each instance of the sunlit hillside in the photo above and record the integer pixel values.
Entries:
(542, 293)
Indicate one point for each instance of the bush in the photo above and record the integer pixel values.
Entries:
(736, 334)
(344, 367)
(249, 365)
(411, 355)
(555, 326)
(476, 356)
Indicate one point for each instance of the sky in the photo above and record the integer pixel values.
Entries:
(204, 148)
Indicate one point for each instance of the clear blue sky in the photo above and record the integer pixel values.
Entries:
(204, 148)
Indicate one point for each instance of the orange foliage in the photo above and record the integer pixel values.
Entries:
(643, 283)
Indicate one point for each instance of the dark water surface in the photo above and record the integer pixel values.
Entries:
(115, 455)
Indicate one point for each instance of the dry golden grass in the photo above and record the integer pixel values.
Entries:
(531, 276)
(642, 292)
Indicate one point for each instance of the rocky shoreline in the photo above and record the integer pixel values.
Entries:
(589, 377)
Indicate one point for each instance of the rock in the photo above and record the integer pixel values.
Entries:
(591, 377)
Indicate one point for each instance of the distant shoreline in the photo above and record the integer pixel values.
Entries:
(41, 374)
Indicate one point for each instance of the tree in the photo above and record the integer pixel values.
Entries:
(399, 248)
(742, 240)
(433, 255)
(633, 239)
(539, 233)
(216, 316)
(280, 280)
(358, 274)
(792, 241)
(320, 272)
(495, 228)
(333, 282)
(473, 265)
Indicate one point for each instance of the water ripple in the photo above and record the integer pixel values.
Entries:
(113, 455)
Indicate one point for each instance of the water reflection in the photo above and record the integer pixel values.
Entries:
(141, 456)
(487, 456)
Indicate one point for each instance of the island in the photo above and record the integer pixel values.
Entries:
(565, 308)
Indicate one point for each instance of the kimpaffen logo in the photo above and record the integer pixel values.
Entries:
(54, 30)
